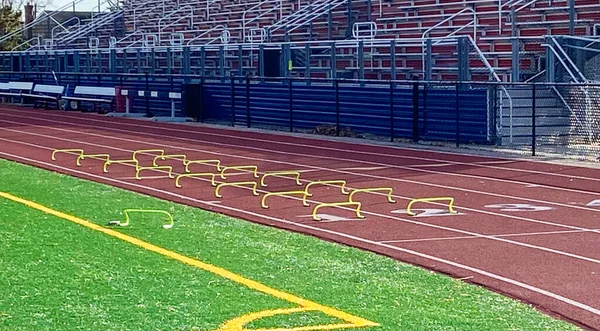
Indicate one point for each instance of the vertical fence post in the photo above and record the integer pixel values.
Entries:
(147, 94)
(533, 133)
(458, 86)
(415, 111)
(232, 78)
(201, 99)
(337, 107)
(247, 100)
(391, 111)
(290, 92)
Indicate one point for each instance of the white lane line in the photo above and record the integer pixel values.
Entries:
(342, 235)
(397, 196)
(364, 168)
(524, 234)
(317, 146)
(364, 175)
(439, 227)
(402, 180)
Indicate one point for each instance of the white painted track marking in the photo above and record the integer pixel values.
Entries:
(525, 234)
(397, 196)
(482, 164)
(595, 203)
(439, 227)
(342, 235)
(303, 165)
(334, 149)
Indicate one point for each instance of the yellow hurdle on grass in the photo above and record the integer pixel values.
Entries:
(128, 211)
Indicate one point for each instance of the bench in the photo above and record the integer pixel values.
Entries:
(92, 94)
(45, 94)
(16, 89)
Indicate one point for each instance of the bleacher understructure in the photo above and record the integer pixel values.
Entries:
(499, 41)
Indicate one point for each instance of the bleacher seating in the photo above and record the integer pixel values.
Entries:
(157, 23)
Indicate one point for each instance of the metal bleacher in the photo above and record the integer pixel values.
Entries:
(399, 39)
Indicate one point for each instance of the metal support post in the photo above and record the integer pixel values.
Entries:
(516, 63)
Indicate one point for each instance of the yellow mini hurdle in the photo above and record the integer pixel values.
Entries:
(161, 152)
(253, 168)
(109, 162)
(82, 156)
(128, 211)
(239, 184)
(337, 204)
(138, 169)
(341, 183)
(197, 174)
(181, 157)
(296, 174)
(263, 202)
(413, 201)
(361, 190)
(75, 151)
(188, 162)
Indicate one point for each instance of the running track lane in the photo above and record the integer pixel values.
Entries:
(547, 257)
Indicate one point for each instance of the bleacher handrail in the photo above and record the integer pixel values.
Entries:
(198, 37)
(29, 42)
(446, 20)
(278, 5)
(52, 35)
(371, 30)
(38, 20)
(182, 9)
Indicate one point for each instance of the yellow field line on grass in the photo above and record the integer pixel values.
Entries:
(353, 321)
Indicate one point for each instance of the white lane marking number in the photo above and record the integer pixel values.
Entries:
(595, 203)
(426, 212)
(518, 207)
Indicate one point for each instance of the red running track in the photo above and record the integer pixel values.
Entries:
(528, 229)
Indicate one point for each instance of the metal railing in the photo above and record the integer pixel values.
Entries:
(305, 15)
(257, 9)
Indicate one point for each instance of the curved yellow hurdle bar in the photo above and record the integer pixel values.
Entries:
(127, 211)
(83, 156)
(337, 204)
(68, 151)
(196, 174)
(109, 162)
(181, 157)
(138, 169)
(341, 183)
(243, 167)
(147, 151)
(188, 162)
(263, 202)
(413, 201)
(280, 173)
(240, 184)
(375, 189)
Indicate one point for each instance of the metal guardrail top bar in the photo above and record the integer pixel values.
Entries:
(315, 79)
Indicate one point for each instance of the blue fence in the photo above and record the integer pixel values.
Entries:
(384, 109)
(393, 110)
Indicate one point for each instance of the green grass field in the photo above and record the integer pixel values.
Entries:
(58, 275)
